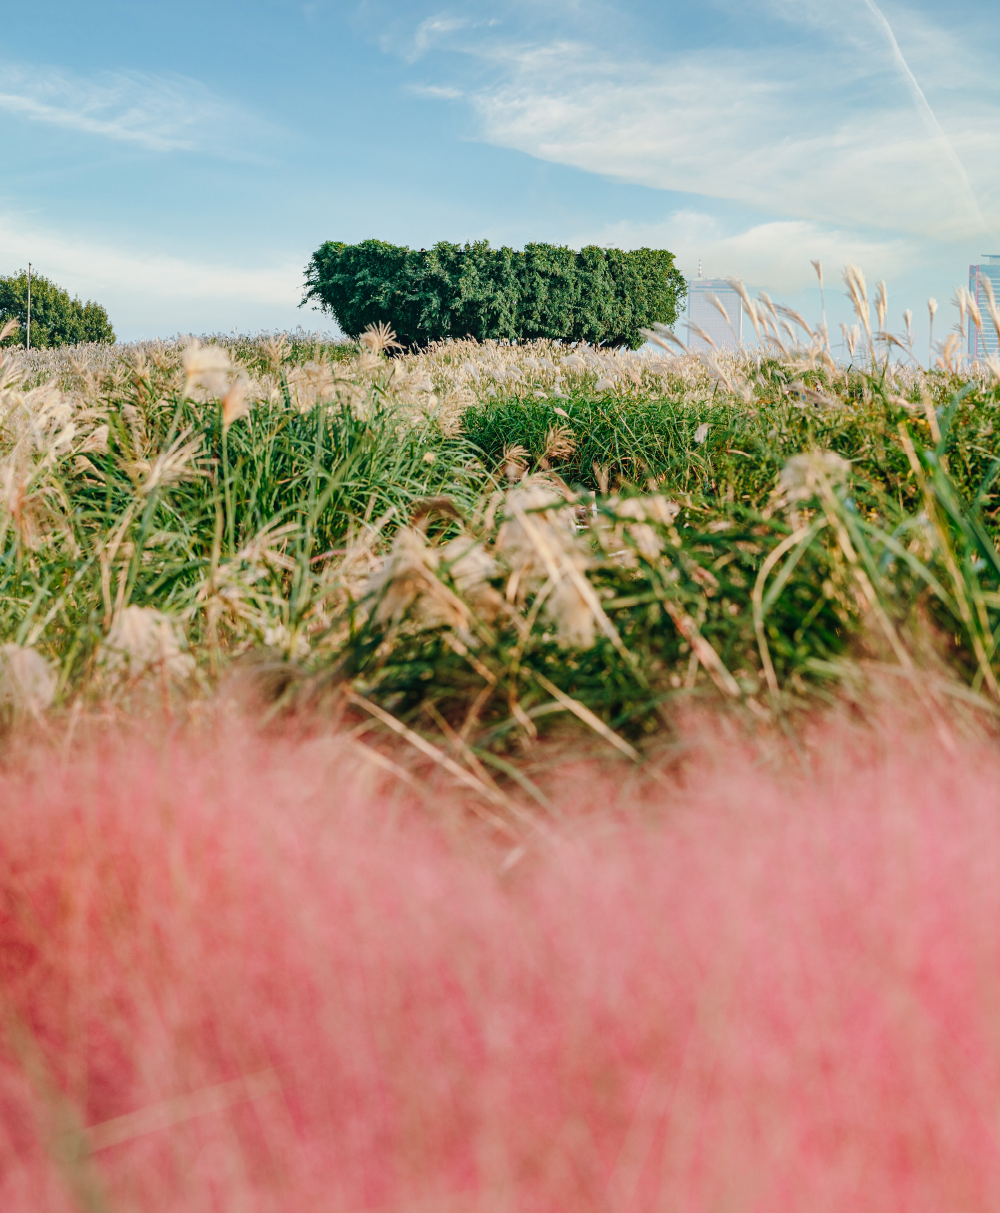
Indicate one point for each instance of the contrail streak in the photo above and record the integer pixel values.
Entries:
(924, 106)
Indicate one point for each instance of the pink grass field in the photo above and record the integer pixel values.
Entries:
(247, 974)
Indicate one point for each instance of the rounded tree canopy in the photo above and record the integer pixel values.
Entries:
(56, 319)
(598, 295)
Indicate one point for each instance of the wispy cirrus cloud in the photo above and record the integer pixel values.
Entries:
(841, 123)
(436, 92)
(404, 34)
(731, 126)
(160, 113)
(433, 29)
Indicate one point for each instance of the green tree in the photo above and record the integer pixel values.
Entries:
(56, 319)
(597, 295)
(550, 292)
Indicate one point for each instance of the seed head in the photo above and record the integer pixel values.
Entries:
(235, 403)
(377, 338)
(141, 640)
(27, 681)
(206, 366)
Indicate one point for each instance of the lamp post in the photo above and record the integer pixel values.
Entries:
(28, 345)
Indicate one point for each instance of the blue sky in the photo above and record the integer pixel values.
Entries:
(179, 162)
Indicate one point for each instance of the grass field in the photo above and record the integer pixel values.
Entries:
(498, 777)
(475, 538)
(245, 972)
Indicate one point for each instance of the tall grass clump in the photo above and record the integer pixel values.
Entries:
(240, 973)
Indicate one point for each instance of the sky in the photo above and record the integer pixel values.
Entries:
(179, 162)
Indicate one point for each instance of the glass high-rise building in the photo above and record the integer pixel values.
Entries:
(701, 311)
(981, 345)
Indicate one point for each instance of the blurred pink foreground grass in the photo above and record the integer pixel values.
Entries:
(241, 975)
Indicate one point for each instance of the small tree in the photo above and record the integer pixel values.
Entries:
(56, 319)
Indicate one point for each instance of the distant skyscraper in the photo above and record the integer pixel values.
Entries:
(984, 344)
(703, 312)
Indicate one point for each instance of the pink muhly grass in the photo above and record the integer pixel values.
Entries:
(243, 977)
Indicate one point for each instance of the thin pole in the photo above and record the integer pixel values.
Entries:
(28, 346)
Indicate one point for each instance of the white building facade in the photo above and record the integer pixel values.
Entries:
(703, 310)
(982, 345)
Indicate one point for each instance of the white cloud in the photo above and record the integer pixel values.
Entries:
(88, 268)
(436, 92)
(434, 29)
(430, 33)
(754, 129)
(846, 119)
(162, 113)
(162, 293)
(775, 256)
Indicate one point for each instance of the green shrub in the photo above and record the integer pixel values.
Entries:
(56, 319)
(598, 295)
